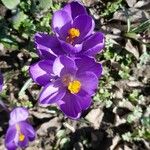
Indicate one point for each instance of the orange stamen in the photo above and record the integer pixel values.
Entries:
(72, 34)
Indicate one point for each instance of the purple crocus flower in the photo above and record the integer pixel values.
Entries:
(20, 132)
(1, 81)
(72, 25)
(68, 82)
(74, 34)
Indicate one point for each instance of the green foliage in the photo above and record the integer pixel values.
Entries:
(108, 55)
(3, 94)
(111, 8)
(145, 58)
(10, 4)
(25, 25)
(138, 135)
(141, 27)
(134, 32)
(25, 86)
(63, 139)
(24, 70)
(124, 61)
(18, 19)
(64, 143)
(134, 95)
(61, 134)
(146, 122)
(43, 4)
(104, 94)
(127, 136)
(24, 103)
(124, 72)
(135, 115)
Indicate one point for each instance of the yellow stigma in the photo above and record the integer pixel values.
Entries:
(72, 34)
(21, 137)
(74, 86)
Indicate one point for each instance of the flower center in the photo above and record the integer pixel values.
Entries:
(74, 86)
(72, 34)
(21, 135)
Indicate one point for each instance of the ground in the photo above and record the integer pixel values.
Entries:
(119, 118)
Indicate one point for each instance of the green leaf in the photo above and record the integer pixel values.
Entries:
(64, 141)
(108, 103)
(134, 95)
(111, 8)
(43, 4)
(135, 115)
(18, 19)
(61, 134)
(10, 4)
(34, 55)
(25, 86)
(142, 27)
(146, 122)
(145, 58)
(127, 137)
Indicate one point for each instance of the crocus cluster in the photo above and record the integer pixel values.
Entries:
(20, 132)
(67, 69)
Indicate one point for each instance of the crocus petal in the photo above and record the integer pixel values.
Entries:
(94, 44)
(59, 19)
(28, 130)
(89, 82)
(70, 106)
(85, 24)
(48, 46)
(1, 81)
(84, 99)
(74, 9)
(17, 115)
(41, 72)
(63, 32)
(64, 65)
(70, 49)
(88, 64)
(52, 92)
(9, 138)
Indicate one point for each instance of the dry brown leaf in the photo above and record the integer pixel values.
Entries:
(143, 4)
(131, 3)
(135, 15)
(44, 128)
(130, 48)
(95, 116)
(115, 142)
